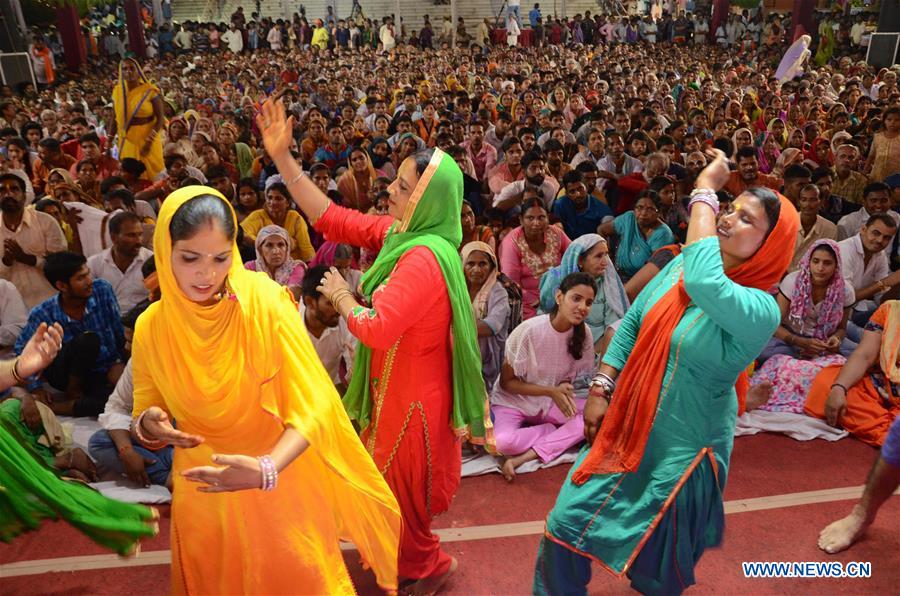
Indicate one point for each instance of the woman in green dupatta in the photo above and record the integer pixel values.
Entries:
(30, 490)
(416, 389)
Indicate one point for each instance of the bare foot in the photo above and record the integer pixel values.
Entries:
(428, 586)
(841, 534)
(758, 396)
(509, 469)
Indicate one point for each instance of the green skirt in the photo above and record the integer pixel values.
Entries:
(30, 492)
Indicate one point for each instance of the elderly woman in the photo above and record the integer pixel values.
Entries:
(277, 210)
(273, 257)
(491, 304)
(590, 254)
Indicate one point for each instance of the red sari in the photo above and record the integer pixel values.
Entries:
(410, 439)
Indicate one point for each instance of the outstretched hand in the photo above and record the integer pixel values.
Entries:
(40, 350)
(276, 128)
(241, 472)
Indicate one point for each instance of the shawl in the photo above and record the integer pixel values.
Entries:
(480, 301)
(125, 108)
(283, 274)
(832, 306)
(620, 444)
(432, 220)
(609, 283)
(256, 338)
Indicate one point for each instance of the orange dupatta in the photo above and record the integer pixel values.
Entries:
(626, 426)
(46, 56)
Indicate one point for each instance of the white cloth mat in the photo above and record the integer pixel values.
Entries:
(797, 426)
(479, 465)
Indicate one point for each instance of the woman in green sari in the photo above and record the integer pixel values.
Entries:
(30, 490)
(417, 388)
(645, 498)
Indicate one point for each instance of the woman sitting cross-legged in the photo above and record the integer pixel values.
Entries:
(590, 254)
(491, 304)
(863, 396)
(536, 414)
(815, 302)
(273, 257)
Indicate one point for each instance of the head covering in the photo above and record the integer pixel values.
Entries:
(124, 112)
(256, 342)
(812, 154)
(609, 283)
(831, 309)
(69, 184)
(283, 274)
(620, 444)
(480, 301)
(432, 219)
(379, 160)
(734, 138)
(765, 166)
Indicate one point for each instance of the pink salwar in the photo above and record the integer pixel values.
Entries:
(550, 434)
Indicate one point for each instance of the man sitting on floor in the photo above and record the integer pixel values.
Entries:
(327, 329)
(91, 360)
(121, 263)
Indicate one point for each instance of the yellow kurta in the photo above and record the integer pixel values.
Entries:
(301, 247)
(237, 373)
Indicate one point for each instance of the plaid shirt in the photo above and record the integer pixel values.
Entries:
(850, 189)
(101, 316)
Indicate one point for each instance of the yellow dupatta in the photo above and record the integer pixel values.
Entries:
(213, 362)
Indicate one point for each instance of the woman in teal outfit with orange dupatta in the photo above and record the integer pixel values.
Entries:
(645, 499)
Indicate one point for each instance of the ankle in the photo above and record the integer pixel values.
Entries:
(861, 513)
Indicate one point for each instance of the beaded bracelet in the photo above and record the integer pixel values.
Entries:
(268, 472)
(708, 199)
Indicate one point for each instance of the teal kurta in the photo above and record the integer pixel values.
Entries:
(655, 522)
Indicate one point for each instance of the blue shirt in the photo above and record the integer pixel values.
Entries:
(101, 316)
(533, 16)
(577, 223)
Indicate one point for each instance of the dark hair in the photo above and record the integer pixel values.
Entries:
(875, 187)
(795, 171)
(745, 152)
(50, 144)
(883, 218)
(89, 137)
(553, 145)
(62, 266)
(725, 145)
(423, 158)
(572, 177)
(247, 183)
(530, 157)
(660, 182)
(576, 342)
(587, 166)
(124, 194)
(318, 167)
(85, 162)
(509, 142)
(43, 204)
(133, 166)
(10, 176)
(120, 219)
(108, 183)
(533, 202)
(827, 247)
(148, 267)
(202, 209)
(819, 173)
(170, 159)
(311, 281)
(280, 187)
(770, 202)
(129, 319)
(214, 172)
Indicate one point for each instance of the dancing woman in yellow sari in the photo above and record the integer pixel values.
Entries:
(139, 118)
(224, 352)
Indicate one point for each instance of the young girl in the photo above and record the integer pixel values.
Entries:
(536, 414)
(884, 159)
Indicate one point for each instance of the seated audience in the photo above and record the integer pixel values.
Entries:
(815, 304)
(876, 198)
(530, 249)
(580, 212)
(327, 330)
(474, 232)
(277, 211)
(91, 360)
(813, 227)
(862, 395)
(491, 304)
(640, 233)
(590, 254)
(536, 414)
(273, 257)
(120, 264)
(13, 316)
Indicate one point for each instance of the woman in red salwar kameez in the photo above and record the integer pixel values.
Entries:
(416, 388)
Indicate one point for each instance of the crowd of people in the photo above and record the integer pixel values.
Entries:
(576, 161)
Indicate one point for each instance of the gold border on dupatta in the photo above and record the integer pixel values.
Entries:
(419, 190)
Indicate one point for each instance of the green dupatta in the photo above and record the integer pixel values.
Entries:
(432, 219)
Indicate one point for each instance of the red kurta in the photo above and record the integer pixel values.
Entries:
(410, 438)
